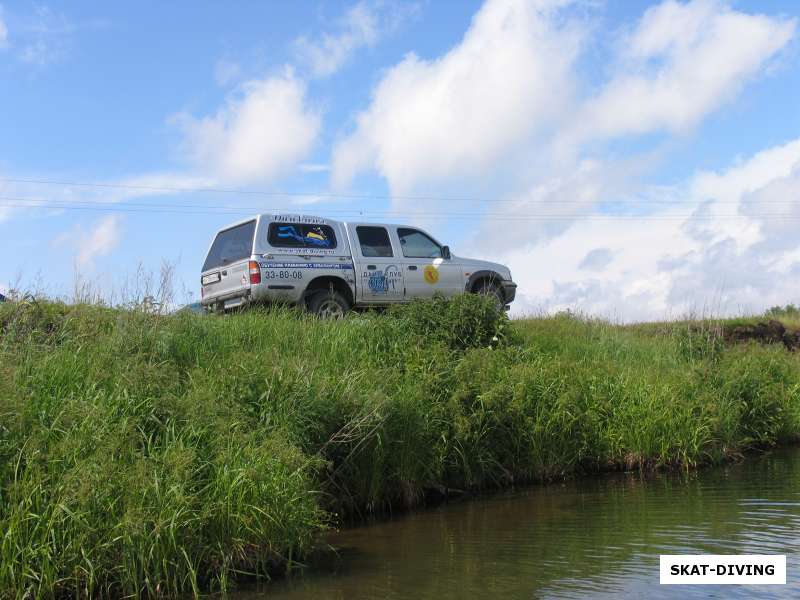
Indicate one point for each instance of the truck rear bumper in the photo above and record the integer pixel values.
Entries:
(227, 300)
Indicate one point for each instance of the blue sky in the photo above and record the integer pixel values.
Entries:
(630, 159)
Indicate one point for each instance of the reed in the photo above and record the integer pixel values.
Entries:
(150, 455)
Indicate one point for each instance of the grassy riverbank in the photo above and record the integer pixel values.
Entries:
(143, 454)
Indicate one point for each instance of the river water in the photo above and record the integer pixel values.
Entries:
(595, 537)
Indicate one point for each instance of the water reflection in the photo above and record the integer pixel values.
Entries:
(598, 537)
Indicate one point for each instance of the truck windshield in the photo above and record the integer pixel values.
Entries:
(231, 245)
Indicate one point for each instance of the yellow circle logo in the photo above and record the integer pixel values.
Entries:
(431, 274)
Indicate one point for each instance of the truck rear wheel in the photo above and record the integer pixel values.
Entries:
(328, 305)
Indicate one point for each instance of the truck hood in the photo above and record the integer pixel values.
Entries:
(472, 264)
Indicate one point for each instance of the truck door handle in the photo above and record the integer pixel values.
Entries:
(412, 267)
(371, 267)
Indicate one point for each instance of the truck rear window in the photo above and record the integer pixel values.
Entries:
(301, 235)
(374, 241)
(231, 245)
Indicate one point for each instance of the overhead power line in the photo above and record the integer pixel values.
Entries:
(270, 193)
(196, 209)
(348, 196)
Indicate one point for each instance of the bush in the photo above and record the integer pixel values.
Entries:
(790, 310)
(466, 321)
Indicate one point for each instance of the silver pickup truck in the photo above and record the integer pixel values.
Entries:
(330, 267)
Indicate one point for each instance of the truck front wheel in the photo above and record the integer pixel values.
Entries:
(328, 305)
(492, 291)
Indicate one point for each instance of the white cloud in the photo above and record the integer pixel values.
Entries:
(54, 199)
(748, 176)
(680, 63)
(3, 31)
(573, 189)
(314, 167)
(262, 131)
(509, 90)
(46, 36)
(102, 238)
(326, 56)
(39, 52)
(459, 114)
(227, 71)
(550, 274)
(728, 244)
(157, 184)
(360, 27)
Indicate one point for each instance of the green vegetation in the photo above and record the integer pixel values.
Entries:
(145, 455)
(789, 315)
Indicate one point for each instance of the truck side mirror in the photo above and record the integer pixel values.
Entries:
(446, 252)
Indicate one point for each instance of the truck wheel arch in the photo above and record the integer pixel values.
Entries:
(478, 278)
(327, 282)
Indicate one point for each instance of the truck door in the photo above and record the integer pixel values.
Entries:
(379, 275)
(425, 271)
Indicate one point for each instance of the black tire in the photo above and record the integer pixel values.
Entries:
(487, 288)
(329, 305)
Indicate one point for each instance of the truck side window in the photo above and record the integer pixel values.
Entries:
(416, 244)
(301, 235)
(231, 245)
(374, 241)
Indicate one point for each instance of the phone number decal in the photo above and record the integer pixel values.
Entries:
(283, 275)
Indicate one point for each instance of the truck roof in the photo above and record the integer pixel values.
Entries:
(305, 218)
(278, 217)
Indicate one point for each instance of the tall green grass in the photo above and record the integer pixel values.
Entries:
(151, 455)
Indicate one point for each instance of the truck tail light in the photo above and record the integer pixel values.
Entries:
(255, 272)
